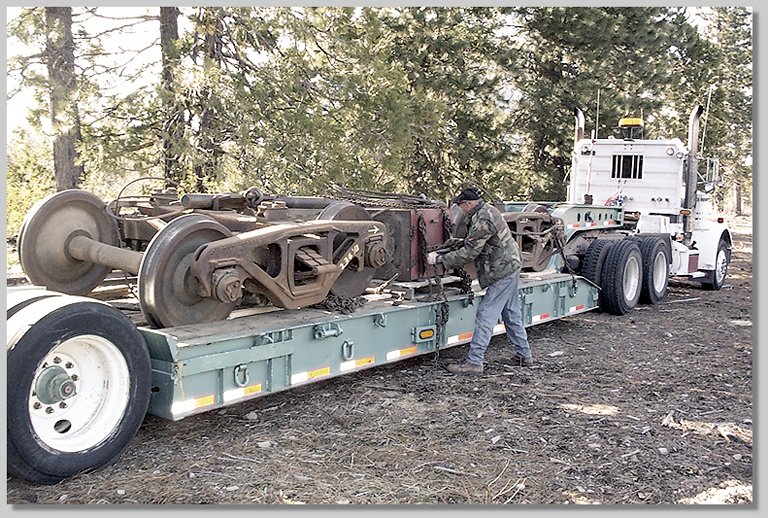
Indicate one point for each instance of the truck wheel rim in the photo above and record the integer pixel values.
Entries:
(659, 272)
(631, 278)
(721, 266)
(79, 393)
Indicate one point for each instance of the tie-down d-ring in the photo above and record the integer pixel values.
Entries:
(242, 377)
(348, 350)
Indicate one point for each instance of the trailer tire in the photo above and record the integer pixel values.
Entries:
(655, 270)
(621, 278)
(716, 278)
(78, 387)
(594, 258)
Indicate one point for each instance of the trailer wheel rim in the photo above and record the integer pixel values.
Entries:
(660, 272)
(79, 394)
(631, 278)
(721, 266)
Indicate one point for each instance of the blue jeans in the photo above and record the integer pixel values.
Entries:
(500, 298)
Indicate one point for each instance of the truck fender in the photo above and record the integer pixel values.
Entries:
(707, 244)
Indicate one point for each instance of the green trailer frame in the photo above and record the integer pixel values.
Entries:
(202, 367)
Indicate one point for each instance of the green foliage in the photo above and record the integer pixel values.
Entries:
(640, 60)
(29, 177)
(729, 126)
(399, 99)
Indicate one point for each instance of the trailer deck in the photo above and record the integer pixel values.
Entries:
(258, 351)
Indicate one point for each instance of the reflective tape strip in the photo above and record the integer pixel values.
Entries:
(574, 225)
(301, 377)
(240, 393)
(499, 328)
(392, 355)
(189, 405)
(539, 318)
(609, 222)
(594, 224)
(459, 338)
(354, 364)
(576, 308)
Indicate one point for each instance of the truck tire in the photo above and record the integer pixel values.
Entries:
(594, 258)
(621, 278)
(716, 278)
(78, 387)
(655, 270)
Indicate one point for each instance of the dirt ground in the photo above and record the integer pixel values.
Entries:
(654, 407)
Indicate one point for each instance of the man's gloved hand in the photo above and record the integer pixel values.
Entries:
(434, 258)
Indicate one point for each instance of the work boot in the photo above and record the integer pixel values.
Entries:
(522, 361)
(466, 368)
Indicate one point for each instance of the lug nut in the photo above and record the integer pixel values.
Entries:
(74, 377)
(48, 410)
(37, 405)
(69, 365)
(62, 405)
(57, 360)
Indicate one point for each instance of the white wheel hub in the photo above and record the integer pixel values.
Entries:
(721, 266)
(660, 272)
(79, 393)
(631, 278)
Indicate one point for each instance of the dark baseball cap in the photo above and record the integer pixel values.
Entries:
(468, 194)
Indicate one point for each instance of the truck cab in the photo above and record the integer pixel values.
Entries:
(657, 184)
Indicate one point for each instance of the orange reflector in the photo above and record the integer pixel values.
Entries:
(720, 220)
(426, 334)
(685, 212)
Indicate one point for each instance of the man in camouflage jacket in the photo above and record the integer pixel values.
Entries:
(489, 243)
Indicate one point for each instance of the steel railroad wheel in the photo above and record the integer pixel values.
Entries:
(45, 234)
(78, 387)
(621, 278)
(167, 289)
(354, 279)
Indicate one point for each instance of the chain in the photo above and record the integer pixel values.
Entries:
(381, 199)
(422, 241)
(131, 286)
(561, 248)
(341, 303)
(442, 313)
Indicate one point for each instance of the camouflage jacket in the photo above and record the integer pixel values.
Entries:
(489, 243)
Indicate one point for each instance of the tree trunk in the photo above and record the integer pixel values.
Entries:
(173, 123)
(737, 198)
(60, 55)
(207, 138)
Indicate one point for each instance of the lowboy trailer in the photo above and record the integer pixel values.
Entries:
(82, 375)
(230, 289)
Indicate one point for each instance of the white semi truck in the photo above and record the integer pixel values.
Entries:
(658, 184)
